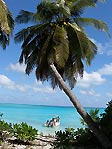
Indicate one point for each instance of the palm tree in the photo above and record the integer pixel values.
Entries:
(57, 46)
(6, 24)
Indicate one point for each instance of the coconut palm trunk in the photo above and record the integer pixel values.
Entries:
(91, 124)
(57, 41)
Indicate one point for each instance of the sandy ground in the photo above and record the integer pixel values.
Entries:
(42, 142)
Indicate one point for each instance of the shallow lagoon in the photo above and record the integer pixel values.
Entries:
(36, 116)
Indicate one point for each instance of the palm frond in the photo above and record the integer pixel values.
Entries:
(60, 45)
(31, 61)
(70, 73)
(35, 30)
(100, 25)
(6, 19)
(57, 39)
(6, 24)
(45, 48)
(82, 46)
(101, 0)
(29, 32)
(25, 17)
(53, 81)
(45, 56)
(4, 40)
(27, 50)
(74, 67)
(79, 6)
(10, 20)
(47, 11)
(21, 35)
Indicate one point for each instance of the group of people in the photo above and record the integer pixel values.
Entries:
(53, 122)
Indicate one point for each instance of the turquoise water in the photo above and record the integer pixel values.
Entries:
(36, 116)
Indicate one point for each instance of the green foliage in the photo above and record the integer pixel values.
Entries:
(5, 130)
(84, 137)
(24, 132)
(106, 121)
(58, 38)
(6, 24)
(94, 115)
(64, 139)
(60, 46)
(4, 126)
(98, 24)
(69, 138)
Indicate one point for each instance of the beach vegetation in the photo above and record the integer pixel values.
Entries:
(58, 43)
(83, 137)
(106, 121)
(5, 130)
(6, 24)
(64, 139)
(94, 113)
(24, 132)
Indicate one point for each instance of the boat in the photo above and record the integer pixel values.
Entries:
(55, 121)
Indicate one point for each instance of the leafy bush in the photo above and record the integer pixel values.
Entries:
(64, 139)
(94, 115)
(5, 130)
(69, 138)
(84, 137)
(24, 132)
(106, 121)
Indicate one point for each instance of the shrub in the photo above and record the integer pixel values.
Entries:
(24, 132)
(94, 115)
(5, 130)
(106, 121)
(84, 137)
(64, 139)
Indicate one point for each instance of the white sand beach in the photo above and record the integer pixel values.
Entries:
(41, 142)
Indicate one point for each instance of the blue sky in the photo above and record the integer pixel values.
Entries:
(94, 90)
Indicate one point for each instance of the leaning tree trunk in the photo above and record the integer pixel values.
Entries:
(91, 124)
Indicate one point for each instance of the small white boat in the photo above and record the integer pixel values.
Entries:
(53, 122)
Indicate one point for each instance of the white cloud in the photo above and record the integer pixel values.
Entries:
(6, 82)
(106, 70)
(90, 93)
(109, 94)
(22, 88)
(43, 90)
(89, 79)
(38, 82)
(105, 48)
(17, 67)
